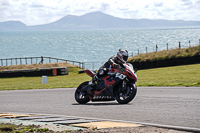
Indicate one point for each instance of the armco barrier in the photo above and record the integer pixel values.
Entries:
(35, 72)
(166, 62)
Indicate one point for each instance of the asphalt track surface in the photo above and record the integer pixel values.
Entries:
(176, 106)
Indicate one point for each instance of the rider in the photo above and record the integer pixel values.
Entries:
(113, 62)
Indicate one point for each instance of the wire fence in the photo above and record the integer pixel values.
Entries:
(36, 60)
(156, 48)
(44, 60)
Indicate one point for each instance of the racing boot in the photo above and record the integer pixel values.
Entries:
(90, 90)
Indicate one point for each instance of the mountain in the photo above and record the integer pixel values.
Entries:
(12, 25)
(96, 20)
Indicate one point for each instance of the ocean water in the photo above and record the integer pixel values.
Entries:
(93, 45)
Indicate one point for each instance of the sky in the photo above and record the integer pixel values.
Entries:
(36, 12)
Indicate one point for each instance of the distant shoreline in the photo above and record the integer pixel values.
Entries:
(94, 21)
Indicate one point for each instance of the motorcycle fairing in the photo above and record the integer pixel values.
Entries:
(106, 93)
(128, 71)
(104, 96)
(90, 73)
(104, 84)
(107, 81)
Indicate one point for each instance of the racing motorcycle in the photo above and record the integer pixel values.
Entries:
(118, 84)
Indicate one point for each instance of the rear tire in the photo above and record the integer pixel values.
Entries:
(123, 97)
(79, 97)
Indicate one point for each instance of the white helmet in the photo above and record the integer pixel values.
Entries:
(122, 55)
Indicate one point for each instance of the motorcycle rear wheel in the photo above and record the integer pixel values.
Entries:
(125, 97)
(79, 97)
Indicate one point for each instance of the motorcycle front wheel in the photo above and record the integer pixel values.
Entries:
(81, 97)
(124, 96)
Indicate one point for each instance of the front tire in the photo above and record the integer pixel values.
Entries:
(124, 97)
(80, 97)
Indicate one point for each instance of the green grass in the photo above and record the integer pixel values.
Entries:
(21, 83)
(187, 75)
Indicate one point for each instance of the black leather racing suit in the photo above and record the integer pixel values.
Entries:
(103, 70)
(111, 63)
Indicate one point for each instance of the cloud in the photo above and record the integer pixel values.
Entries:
(104, 7)
(158, 4)
(34, 12)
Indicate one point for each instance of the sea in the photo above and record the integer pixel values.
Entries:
(94, 45)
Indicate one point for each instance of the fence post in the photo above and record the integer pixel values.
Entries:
(20, 61)
(156, 48)
(167, 46)
(1, 62)
(179, 45)
(42, 60)
(138, 52)
(6, 63)
(189, 43)
(199, 41)
(146, 49)
(82, 65)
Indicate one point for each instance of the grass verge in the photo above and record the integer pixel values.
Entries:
(36, 66)
(22, 83)
(5, 128)
(187, 75)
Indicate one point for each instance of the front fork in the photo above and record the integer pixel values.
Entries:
(124, 85)
(125, 89)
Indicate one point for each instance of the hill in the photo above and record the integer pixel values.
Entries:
(95, 20)
(167, 58)
(12, 25)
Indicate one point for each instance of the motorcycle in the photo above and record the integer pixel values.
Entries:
(118, 84)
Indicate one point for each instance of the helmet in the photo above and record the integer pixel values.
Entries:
(122, 55)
